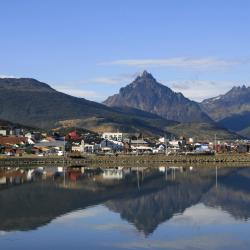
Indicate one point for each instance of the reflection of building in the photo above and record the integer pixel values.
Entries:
(74, 175)
(112, 136)
(12, 177)
(113, 174)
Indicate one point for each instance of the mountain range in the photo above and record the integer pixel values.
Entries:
(144, 106)
(231, 110)
(32, 103)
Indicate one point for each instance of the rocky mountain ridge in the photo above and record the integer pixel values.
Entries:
(145, 93)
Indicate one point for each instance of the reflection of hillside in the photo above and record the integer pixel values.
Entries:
(145, 203)
(232, 194)
(34, 204)
(31, 205)
(148, 210)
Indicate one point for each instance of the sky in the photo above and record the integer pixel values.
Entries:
(92, 48)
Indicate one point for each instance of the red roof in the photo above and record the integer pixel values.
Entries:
(73, 135)
(11, 140)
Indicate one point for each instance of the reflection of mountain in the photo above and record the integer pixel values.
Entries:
(232, 194)
(147, 211)
(31, 205)
(145, 204)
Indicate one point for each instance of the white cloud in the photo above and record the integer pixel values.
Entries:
(79, 214)
(200, 215)
(107, 80)
(89, 94)
(114, 80)
(178, 62)
(200, 242)
(6, 76)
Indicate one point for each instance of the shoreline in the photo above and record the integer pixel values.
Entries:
(123, 160)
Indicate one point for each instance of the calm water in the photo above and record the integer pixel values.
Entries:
(182, 208)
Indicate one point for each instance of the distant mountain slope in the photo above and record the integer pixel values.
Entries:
(147, 94)
(235, 101)
(202, 131)
(231, 110)
(7, 124)
(30, 102)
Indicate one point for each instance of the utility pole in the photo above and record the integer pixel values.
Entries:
(215, 143)
(216, 176)
(64, 174)
(166, 145)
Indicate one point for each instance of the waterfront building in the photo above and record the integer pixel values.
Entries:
(112, 136)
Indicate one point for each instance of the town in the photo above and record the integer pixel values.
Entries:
(76, 143)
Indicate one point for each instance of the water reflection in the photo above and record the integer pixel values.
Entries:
(144, 197)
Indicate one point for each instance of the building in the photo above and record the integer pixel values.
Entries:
(111, 145)
(49, 148)
(78, 147)
(140, 146)
(3, 132)
(112, 136)
(74, 136)
(139, 142)
(12, 140)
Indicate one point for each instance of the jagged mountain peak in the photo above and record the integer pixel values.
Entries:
(146, 94)
(238, 89)
(236, 94)
(145, 75)
(144, 78)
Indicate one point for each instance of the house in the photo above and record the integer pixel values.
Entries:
(89, 148)
(77, 147)
(35, 136)
(159, 148)
(243, 148)
(13, 140)
(10, 152)
(82, 147)
(16, 131)
(3, 132)
(73, 136)
(140, 146)
(139, 142)
(112, 136)
(110, 145)
(51, 144)
(50, 148)
(202, 148)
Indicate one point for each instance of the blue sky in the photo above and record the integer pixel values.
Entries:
(92, 48)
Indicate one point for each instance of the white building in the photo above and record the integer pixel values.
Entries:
(78, 147)
(112, 136)
(83, 147)
(3, 132)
